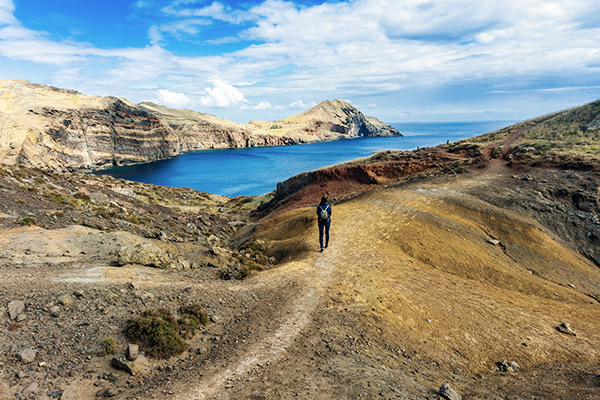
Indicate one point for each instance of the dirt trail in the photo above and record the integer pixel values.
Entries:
(499, 162)
(410, 271)
(311, 276)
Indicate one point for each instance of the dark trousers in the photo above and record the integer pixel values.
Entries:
(324, 227)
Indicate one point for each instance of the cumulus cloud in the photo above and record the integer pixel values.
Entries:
(351, 49)
(172, 99)
(263, 105)
(222, 94)
(300, 105)
(7, 9)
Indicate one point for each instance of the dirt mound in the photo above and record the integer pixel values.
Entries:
(383, 169)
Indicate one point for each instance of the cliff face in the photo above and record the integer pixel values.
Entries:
(60, 129)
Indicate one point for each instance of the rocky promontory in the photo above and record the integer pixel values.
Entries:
(60, 129)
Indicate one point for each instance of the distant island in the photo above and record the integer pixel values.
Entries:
(60, 129)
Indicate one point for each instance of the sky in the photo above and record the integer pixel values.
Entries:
(398, 60)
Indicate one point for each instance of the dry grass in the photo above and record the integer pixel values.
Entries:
(416, 267)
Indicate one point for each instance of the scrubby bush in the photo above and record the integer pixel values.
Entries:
(108, 346)
(83, 197)
(192, 316)
(496, 151)
(158, 331)
(161, 333)
(57, 198)
(133, 219)
(29, 220)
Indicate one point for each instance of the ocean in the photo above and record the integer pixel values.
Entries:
(254, 171)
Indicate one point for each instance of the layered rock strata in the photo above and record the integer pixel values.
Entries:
(59, 129)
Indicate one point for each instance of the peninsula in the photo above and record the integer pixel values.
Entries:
(60, 129)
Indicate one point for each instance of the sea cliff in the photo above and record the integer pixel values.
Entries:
(60, 129)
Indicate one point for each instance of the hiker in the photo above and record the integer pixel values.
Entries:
(324, 219)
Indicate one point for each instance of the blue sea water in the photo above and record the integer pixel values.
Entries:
(254, 171)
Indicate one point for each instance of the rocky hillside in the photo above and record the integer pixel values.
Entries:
(329, 120)
(566, 138)
(464, 269)
(59, 129)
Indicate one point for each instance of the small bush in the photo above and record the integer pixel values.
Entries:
(158, 331)
(108, 346)
(459, 169)
(133, 219)
(496, 151)
(29, 220)
(57, 198)
(192, 316)
(258, 245)
(83, 197)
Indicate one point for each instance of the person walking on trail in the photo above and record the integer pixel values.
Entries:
(324, 219)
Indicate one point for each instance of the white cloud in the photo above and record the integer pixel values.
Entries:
(263, 105)
(181, 30)
(222, 94)
(7, 9)
(185, 8)
(300, 105)
(172, 99)
(352, 49)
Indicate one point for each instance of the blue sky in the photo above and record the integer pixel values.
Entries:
(409, 60)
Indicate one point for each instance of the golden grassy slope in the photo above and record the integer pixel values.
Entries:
(416, 268)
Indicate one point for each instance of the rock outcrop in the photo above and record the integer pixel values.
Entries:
(59, 129)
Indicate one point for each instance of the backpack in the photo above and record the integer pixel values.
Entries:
(324, 214)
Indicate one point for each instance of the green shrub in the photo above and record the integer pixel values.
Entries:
(108, 346)
(496, 151)
(459, 169)
(57, 198)
(133, 219)
(29, 220)
(258, 245)
(83, 197)
(158, 331)
(192, 316)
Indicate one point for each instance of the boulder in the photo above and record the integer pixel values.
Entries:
(220, 252)
(33, 387)
(108, 392)
(26, 356)
(448, 393)
(133, 351)
(506, 366)
(54, 311)
(565, 328)
(67, 394)
(65, 300)
(144, 254)
(136, 367)
(15, 308)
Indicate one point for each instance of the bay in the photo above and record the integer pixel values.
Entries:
(254, 171)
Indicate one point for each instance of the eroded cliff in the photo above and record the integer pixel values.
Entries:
(61, 129)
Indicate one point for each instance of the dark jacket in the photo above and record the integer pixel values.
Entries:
(327, 207)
